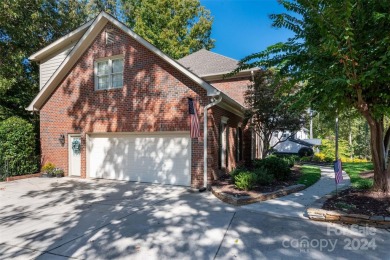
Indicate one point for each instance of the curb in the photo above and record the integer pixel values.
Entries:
(316, 213)
(20, 177)
(244, 200)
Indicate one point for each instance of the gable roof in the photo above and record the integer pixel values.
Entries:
(92, 29)
(205, 63)
(62, 42)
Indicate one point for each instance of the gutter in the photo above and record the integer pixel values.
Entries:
(205, 128)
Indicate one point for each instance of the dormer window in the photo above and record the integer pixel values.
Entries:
(109, 73)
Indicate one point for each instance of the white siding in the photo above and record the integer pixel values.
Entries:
(48, 67)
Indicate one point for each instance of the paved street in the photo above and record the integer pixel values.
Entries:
(100, 219)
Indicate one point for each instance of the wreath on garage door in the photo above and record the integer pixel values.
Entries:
(76, 146)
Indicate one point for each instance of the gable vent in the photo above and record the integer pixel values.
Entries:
(110, 37)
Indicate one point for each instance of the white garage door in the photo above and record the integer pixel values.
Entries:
(161, 158)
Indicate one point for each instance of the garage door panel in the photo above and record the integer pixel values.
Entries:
(157, 159)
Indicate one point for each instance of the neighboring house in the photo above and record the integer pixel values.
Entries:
(113, 106)
(292, 145)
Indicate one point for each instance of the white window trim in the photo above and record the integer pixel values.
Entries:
(109, 59)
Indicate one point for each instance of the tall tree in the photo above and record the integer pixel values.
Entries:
(341, 50)
(177, 27)
(26, 27)
(269, 109)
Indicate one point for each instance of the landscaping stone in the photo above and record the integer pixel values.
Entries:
(332, 217)
(349, 220)
(360, 216)
(244, 200)
(316, 213)
(377, 218)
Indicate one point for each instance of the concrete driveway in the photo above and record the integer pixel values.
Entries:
(100, 219)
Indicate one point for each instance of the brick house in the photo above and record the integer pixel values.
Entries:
(112, 105)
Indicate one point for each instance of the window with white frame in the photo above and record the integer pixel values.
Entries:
(109, 73)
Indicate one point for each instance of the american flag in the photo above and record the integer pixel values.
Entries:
(194, 120)
(338, 171)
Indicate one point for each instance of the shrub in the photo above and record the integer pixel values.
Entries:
(257, 163)
(263, 177)
(319, 157)
(49, 168)
(290, 161)
(275, 166)
(305, 151)
(17, 146)
(305, 159)
(289, 158)
(353, 160)
(58, 172)
(245, 180)
(328, 148)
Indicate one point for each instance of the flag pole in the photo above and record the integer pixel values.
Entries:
(337, 144)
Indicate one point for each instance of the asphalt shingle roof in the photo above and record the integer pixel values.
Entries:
(204, 62)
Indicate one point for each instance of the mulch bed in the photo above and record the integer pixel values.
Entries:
(366, 202)
(226, 185)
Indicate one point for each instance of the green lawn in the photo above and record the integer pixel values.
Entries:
(310, 175)
(354, 170)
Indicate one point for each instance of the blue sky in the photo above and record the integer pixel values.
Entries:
(242, 27)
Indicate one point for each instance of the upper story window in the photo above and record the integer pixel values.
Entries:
(109, 73)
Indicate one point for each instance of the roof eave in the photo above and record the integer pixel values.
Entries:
(223, 75)
(61, 42)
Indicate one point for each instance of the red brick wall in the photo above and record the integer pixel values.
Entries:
(214, 119)
(235, 88)
(153, 98)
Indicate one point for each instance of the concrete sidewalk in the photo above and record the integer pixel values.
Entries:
(295, 205)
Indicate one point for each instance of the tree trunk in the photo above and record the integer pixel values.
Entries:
(265, 150)
(381, 174)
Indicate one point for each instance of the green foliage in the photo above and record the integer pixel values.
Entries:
(58, 172)
(310, 175)
(275, 166)
(305, 151)
(17, 146)
(321, 157)
(263, 176)
(339, 55)
(48, 168)
(354, 170)
(354, 133)
(245, 180)
(270, 108)
(306, 159)
(290, 159)
(176, 27)
(328, 148)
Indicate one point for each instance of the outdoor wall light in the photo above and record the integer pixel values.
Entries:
(62, 139)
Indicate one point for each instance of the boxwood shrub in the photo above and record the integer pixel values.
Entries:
(275, 166)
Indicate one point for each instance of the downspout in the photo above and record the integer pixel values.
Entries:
(215, 102)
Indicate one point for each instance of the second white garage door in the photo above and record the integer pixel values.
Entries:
(160, 158)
